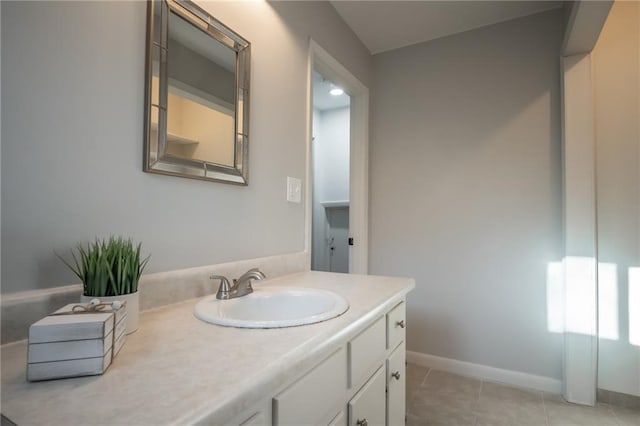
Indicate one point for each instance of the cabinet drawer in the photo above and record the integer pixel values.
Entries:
(367, 406)
(396, 319)
(366, 351)
(396, 379)
(312, 397)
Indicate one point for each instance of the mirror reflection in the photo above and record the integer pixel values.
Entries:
(198, 85)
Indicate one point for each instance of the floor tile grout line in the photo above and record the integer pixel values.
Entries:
(544, 408)
(426, 376)
(409, 401)
(476, 404)
(615, 416)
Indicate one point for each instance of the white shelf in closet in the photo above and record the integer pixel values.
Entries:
(180, 140)
(334, 204)
(176, 138)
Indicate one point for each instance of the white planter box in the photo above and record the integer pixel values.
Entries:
(69, 368)
(66, 344)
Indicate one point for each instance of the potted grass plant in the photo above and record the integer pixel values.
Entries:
(110, 270)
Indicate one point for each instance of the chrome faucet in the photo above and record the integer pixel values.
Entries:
(241, 286)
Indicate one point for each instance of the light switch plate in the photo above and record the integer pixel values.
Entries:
(294, 190)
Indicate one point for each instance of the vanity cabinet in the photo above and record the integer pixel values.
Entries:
(396, 386)
(396, 371)
(341, 372)
(367, 407)
(258, 419)
(306, 401)
(360, 384)
(340, 419)
(395, 326)
(366, 352)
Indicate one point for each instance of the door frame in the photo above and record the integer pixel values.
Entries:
(319, 59)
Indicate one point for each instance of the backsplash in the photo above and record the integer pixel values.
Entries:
(20, 310)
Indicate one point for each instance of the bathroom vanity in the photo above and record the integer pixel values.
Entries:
(176, 369)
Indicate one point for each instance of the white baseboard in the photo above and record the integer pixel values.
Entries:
(484, 372)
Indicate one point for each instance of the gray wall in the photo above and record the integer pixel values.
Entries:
(466, 189)
(616, 78)
(73, 80)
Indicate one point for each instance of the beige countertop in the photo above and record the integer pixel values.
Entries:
(178, 369)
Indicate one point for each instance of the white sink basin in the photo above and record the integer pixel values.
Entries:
(273, 307)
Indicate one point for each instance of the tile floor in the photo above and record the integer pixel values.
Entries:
(436, 398)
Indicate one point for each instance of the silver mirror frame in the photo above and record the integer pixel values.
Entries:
(155, 159)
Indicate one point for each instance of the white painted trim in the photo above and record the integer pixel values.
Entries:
(580, 359)
(308, 182)
(484, 372)
(585, 22)
(359, 185)
(321, 60)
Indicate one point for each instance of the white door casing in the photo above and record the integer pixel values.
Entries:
(320, 60)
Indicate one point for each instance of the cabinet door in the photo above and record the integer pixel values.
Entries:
(396, 387)
(340, 419)
(367, 408)
(310, 400)
(258, 419)
(366, 352)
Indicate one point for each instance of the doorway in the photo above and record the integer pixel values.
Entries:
(336, 237)
(330, 152)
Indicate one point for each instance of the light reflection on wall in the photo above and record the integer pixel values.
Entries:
(572, 307)
(579, 291)
(634, 306)
(555, 297)
(608, 301)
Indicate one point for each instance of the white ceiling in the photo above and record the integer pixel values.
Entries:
(322, 99)
(387, 25)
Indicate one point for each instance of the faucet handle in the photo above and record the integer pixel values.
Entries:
(225, 288)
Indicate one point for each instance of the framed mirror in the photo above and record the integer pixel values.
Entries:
(196, 95)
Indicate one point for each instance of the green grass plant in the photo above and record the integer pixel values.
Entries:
(108, 267)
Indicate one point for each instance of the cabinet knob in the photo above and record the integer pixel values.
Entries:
(396, 375)
(362, 422)
(400, 324)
